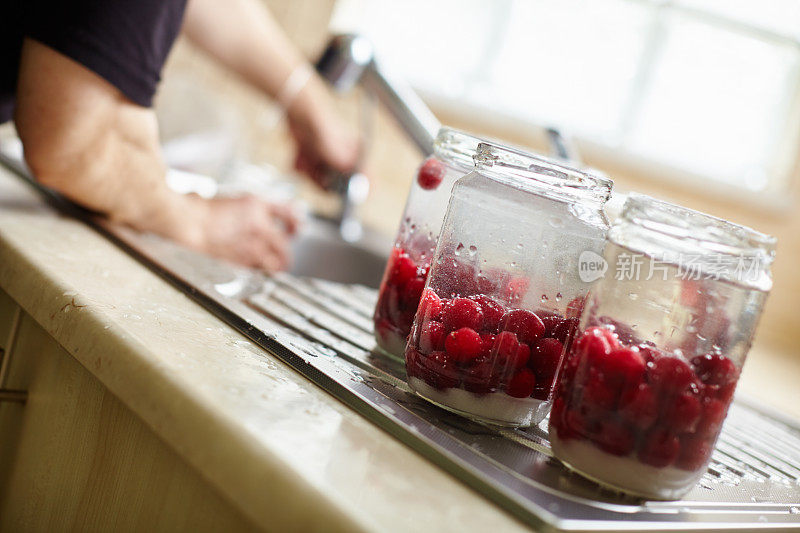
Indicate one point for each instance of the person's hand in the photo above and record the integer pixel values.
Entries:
(245, 230)
(324, 143)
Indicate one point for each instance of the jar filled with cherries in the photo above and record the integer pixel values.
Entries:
(504, 291)
(407, 269)
(651, 371)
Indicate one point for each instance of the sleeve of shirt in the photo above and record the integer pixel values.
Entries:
(126, 42)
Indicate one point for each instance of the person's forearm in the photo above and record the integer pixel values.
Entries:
(242, 35)
(83, 139)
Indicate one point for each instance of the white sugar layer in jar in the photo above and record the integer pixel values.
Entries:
(496, 407)
(627, 473)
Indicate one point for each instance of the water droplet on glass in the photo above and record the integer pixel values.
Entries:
(519, 246)
(559, 296)
(556, 222)
(473, 250)
(633, 296)
(459, 248)
(544, 298)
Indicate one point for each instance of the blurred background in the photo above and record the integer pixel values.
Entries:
(693, 101)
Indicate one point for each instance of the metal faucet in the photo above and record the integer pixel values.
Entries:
(349, 60)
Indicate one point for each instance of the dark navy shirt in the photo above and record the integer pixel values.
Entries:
(124, 41)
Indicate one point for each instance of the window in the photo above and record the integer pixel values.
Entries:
(705, 87)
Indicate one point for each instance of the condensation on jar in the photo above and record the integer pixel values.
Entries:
(504, 291)
(410, 259)
(651, 373)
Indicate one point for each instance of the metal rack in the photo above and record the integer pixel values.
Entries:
(323, 330)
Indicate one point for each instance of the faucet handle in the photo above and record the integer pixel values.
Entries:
(353, 190)
(344, 60)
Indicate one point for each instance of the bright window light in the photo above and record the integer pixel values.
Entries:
(703, 86)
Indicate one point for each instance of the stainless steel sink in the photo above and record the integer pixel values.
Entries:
(323, 330)
(320, 252)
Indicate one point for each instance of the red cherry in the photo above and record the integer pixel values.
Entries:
(575, 307)
(492, 312)
(599, 392)
(403, 268)
(725, 394)
(525, 324)
(481, 378)
(506, 349)
(694, 454)
(683, 414)
(412, 293)
(576, 422)
(515, 289)
(550, 321)
(443, 373)
(615, 438)
(487, 340)
(462, 313)
(463, 345)
(521, 384)
(660, 448)
(384, 328)
(715, 369)
(569, 370)
(595, 343)
(710, 423)
(430, 305)
(523, 355)
(648, 353)
(557, 411)
(431, 174)
(623, 365)
(639, 406)
(485, 285)
(545, 358)
(413, 363)
(560, 328)
(432, 336)
(670, 375)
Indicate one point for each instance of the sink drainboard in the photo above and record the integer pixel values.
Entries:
(324, 330)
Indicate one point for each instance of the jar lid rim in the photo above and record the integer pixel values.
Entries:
(456, 146)
(682, 222)
(548, 174)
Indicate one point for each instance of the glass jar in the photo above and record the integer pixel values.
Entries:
(647, 384)
(410, 259)
(504, 292)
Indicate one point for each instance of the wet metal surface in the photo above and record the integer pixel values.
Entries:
(323, 330)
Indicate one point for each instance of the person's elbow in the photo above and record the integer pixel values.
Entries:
(63, 114)
(45, 163)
